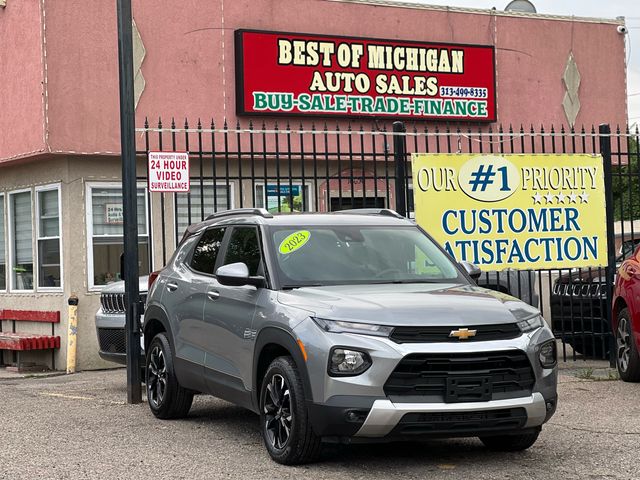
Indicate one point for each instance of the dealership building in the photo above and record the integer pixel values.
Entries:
(300, 62)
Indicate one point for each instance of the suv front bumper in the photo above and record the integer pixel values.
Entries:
(386, 415)
(357, 408)
(111, 335)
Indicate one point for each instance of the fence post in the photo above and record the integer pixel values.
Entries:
(399, 154)
(605, 151)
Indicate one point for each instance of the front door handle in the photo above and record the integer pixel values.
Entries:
(213, 294)
(172, 287)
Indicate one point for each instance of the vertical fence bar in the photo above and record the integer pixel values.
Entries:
(162, 209)
(399, 153)
(605, 151)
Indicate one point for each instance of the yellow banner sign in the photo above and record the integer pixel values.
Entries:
(514, 211)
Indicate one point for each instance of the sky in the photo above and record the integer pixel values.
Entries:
(585, 8)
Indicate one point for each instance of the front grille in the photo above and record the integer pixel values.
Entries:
(462, 377)
(434, 423)
(441, 334)
(112, 340)
(579, 289)
(113, 303)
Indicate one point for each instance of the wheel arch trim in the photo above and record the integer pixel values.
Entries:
(284, 339)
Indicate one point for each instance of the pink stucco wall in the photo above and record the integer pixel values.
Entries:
(189, 66)
(22, 124)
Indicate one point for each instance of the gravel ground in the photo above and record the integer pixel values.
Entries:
(80, 426)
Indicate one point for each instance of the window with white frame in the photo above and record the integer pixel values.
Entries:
(189, 206)
(3, 257)
(48, 230)
(284, 197)
(105, 233)
(21, 239)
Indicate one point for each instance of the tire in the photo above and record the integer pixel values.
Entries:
(627, 358)
(284, 421)
(166, 398)
(511, 443)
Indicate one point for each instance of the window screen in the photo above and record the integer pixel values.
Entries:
(214, 198)
(107, 241)
(22, 247)
(3, 261)
(48, 239)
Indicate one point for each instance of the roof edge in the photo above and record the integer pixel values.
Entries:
(482, 11)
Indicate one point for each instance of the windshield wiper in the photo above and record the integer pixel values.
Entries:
(293, 287)
(383, 282)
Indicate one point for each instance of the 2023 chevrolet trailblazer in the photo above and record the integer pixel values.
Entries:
(347, 327)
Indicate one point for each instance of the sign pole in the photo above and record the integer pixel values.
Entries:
(129, 199)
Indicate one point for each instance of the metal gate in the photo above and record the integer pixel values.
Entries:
(327, 168)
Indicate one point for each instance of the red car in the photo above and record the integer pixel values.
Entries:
(626, 318)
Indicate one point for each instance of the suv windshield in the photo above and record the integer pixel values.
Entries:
(347, 255)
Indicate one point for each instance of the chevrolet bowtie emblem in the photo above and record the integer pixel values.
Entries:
(463, 333)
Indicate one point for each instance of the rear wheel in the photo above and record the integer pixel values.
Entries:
(166, 398)
(627, 358)
(284, 421)
(510, 443)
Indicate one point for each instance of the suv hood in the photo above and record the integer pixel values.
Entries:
(118, 287)
(410, 304)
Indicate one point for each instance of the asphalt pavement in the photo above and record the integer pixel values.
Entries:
(80, 426)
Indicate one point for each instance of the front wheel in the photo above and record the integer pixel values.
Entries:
(284, 421)
(627, 358)
(510, 443)
(166, 397)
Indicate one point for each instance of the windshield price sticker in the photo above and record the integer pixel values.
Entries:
(294, 241)
(514, 211)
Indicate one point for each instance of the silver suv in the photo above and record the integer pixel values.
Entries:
(346, 327)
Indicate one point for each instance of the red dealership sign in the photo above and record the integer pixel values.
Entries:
(304, 74)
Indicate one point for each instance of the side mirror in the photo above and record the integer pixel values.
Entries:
(472, 270)
(237, 275)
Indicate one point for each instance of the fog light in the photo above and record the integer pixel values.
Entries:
(548, 354)
(344, 362)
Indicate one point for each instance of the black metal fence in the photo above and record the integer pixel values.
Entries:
(328, 168)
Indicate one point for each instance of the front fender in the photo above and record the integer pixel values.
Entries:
(282, 338)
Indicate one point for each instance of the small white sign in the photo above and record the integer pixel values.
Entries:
(114, 213)
(168, 172)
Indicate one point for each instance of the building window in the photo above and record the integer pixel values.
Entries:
(105, 233)
(21, 239)
(278, 198)
(48, 228)
(3, 257)
(215, 198)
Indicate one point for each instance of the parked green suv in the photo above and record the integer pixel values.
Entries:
(347, 327)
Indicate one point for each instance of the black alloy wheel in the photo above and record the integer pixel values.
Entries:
(284, 422)
(627, 358)
(166, 397)
(157, 377)
(277, 412)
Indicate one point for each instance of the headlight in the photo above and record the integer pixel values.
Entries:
(346, 362)
(548, 354)
(338, 326)
(530, 324)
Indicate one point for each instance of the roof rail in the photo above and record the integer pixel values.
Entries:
(262, 212)
(387, 212)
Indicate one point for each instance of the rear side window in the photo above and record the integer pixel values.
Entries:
(206, 252)
(244, 247)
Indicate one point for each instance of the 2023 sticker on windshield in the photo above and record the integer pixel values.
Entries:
(294, 241)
